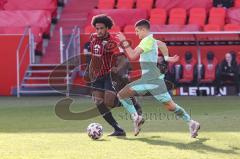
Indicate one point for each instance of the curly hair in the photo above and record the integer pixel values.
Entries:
(102, 18)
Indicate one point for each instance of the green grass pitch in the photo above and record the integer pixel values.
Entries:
(29, 129)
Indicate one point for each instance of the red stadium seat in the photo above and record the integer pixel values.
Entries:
(217, 16)
(190, 27)
(165, 28)
(237, 3)
(212, 27)
(178, 16)
(209, 71)
(106, 4)
(48, 5)
(37, 32)
(176, 28)
(2, 4)
(186, 4)
(129, 29)
(89, 29)
(20, 18)
(115, 29)
(197, 16)
(187, 71)
(14, 22)
(125, 4)
(144, 4)
(158, 16)
(233, 16)
(232, 27)
(168, 28)
(121, 17)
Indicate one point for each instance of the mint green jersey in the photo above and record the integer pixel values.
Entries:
(152, 80)
(149, 58)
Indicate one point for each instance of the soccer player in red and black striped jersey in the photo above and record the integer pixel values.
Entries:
(103, 46)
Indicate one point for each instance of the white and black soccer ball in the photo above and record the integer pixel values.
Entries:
(95, 131)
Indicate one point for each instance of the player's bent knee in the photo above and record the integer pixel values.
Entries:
(109, 103)
(170, 106)
(97, 101)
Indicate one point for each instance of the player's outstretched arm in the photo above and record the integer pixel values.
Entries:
(132, 54)
(163, 47)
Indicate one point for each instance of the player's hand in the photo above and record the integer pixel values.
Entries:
(173, 59)
(120, 36)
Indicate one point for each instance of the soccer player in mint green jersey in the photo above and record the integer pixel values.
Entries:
(152, 80)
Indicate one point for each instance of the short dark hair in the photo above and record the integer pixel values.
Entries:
(143, 23)
(102, 18)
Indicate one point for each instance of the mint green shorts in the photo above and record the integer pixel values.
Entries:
(156, 87)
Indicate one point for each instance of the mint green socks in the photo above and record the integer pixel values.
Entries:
(180, 112)
(127, 104)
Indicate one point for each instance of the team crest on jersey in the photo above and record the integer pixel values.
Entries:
(96, 49)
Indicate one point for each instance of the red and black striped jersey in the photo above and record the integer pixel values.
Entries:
(102, 50)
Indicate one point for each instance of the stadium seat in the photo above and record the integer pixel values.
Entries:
(217, 16)
(20, 18)
(115, 29)
(121, 17)
(106, 4)
(237, 3)
(37, 32)
(212, 27)
(186, 69)
(178, 16)
(165, 28)
(190, 28)
(2, 4)
(186, 4)
(47, 5)
(144, 4)
(129, 29)
(125, 4)
(233, 16)
(168, 28)
(209, 70)
(231, 27)
(89, 29)
(158, 16)
(197, 16)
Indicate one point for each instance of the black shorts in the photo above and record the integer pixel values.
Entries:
(119, 82)
(103, 83)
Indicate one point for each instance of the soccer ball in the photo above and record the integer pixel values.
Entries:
(95, 131)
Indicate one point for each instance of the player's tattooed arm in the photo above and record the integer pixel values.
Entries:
(132, 54)
(163, 47)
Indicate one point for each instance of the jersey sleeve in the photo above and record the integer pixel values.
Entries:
(146, 44)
